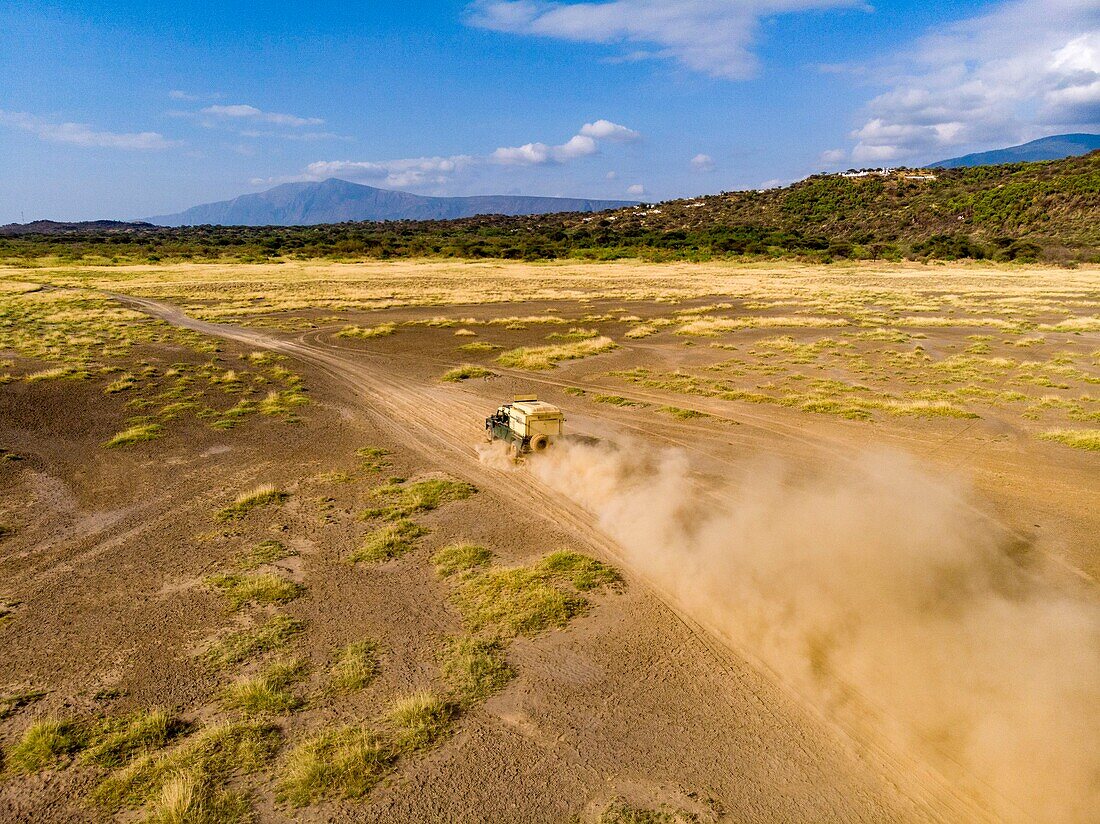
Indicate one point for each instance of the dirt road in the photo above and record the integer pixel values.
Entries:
(444, 425)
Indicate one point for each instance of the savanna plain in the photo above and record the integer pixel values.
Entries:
(821, 544)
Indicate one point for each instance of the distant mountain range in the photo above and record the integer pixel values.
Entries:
(338, 201)
(1054, 147)
(55, 227)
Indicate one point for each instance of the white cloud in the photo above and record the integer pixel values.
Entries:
(410, 172)
(539, 154)
(606, 130)
(176, 94)
(703, 163)
(241, 111)
(1026, 69)
(612, 176)
(831, 157)
(637, 190)
(80, 134)
(714, 37)
(421, 172)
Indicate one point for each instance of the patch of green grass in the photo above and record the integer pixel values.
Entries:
(573, 391)
(254, 499)
(355, 667)
(422, 496)
(269, 692)
(503, 602)
(276, 633)
(617, 400)
(208, 760)
(46, 743)
(478, 346)
(460, 558)
(683, 414)
(510, 601)
(117, 741)
(388, 542)
(282, 402)
(546, 357)
(123, 383)
(419, 721)
(374, 458)
(188, 799)
(265, 552)
(255, 589)
(467, 371)
(642, 330)
(382, 330)
(1077, 438)
(475, 668)
(574, 334)
(135, 434)
(581, 571)
(345, 762)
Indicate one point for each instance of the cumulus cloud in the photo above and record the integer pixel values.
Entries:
(703, 163)
(420, 172)
(403, 173)
(243, 112)
(539, 154)
(606, 130)
(714, 37)
(80, 134)
(831, 157)
(1026, 69)
(637, 190)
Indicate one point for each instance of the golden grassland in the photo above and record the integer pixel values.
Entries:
(860, 341)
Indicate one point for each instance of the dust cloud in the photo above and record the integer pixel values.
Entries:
(881, 595)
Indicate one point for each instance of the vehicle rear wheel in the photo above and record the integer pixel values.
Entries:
(539, 443)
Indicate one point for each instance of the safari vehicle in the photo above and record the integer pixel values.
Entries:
(526, 425)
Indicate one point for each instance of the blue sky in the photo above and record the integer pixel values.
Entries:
(125, 109)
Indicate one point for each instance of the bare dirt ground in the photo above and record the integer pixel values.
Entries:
(851, 510)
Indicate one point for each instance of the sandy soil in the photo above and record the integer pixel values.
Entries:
(651, 697)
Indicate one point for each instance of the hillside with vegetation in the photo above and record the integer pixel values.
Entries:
(1046, 211)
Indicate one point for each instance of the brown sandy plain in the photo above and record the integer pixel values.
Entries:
(823, 545)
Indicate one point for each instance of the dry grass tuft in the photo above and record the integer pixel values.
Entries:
(135, 434)
(355, 667)
(478, 346)
(545, 357)
(419, 721)
(118, 741)
(269, 692)
(388, 542)
(345, 762)
(254, 499)
(187, 799)
(242, 645)
(466, 372)
(264, 553)
(205, 761)
(581, 571)
(1088, 439)
(413, 498)
(45, 743)
(460, 558)
(382, 330)
(255, 589)
(475, 668)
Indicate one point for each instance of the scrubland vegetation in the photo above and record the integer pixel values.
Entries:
(1015, 212)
